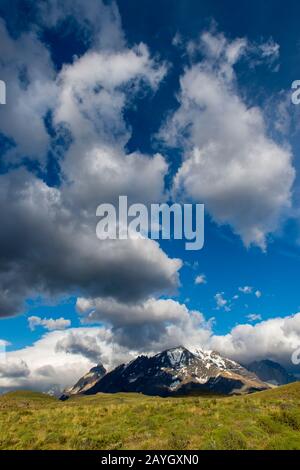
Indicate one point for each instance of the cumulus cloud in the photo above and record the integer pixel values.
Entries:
(48, 323)
(58, 252)
(27, 70)
(32, 81)
(142, 325)
(93, 93)
(275, 339)
(230, 163)
(48, 368)
(14, 370)
(86, 346)
(117, 313)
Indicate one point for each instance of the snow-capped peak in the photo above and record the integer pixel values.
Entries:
(175, 357)
(175, 371)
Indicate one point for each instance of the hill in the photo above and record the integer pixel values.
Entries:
(264, 420)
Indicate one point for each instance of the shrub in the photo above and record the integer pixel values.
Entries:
(178, 442)
(288, 418)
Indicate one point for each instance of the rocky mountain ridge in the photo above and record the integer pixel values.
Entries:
(176, 371)
(86, 382)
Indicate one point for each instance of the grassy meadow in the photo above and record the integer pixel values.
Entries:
(265, 420)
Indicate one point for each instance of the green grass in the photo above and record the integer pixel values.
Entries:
(265, 420)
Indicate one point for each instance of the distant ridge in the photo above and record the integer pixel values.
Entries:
(271, 372)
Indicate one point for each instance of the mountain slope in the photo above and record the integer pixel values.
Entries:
(179, 371)
(85, 382)
(271, 372)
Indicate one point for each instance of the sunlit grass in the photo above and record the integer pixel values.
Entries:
(265, 420)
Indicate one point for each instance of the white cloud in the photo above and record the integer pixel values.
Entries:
(120, 314)
(269, 52)
(246, 289)
(48, 323)
(45, 367)
(92, 91)
(230, 163)
(28, 72)
(275, 339)
(250, 290)
(14, 370)
(200, 279)
(221, 302)
(253, 317)
(270, 48)
(145, 325)
(33, 84)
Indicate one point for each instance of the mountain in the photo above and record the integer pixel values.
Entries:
(178, 371)
(271, 372)
(85, 382)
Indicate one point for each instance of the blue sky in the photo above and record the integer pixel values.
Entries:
(257, 79)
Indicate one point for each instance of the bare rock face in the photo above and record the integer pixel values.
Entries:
(178, 371)
(85, 382)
